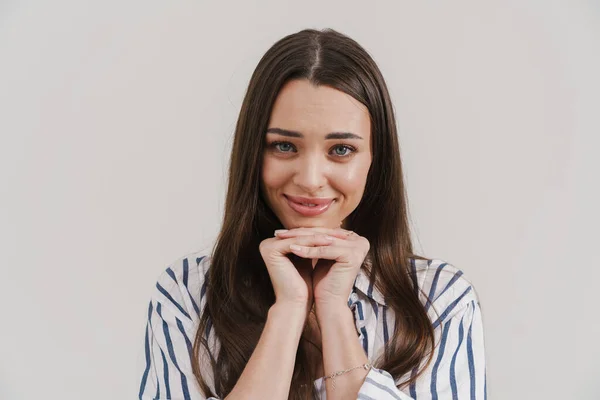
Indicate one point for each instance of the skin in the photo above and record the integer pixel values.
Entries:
(313, 166)
(316, 166)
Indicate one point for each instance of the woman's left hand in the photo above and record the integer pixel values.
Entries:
(338, 262)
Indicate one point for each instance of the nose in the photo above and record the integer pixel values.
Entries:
(310, 173)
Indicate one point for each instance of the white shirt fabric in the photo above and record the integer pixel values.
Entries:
(457, 371)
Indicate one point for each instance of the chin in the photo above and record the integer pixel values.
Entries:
(310, 224)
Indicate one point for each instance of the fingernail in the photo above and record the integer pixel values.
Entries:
(327, 237)
(295, 247)
(278, 231)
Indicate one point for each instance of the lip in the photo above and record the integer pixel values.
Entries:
(322, 205)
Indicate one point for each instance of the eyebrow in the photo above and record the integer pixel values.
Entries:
(331, 135)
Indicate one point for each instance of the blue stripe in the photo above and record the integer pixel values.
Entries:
(208, 326)
(461, 334)
(203, 290)
(485, 383)
(454, 278)
(371, 300)
(433, 387)
(187, 340)
(185, 283)
(361, 317)
(156, 396)
(184, 386)
(168, 296)
(365, 340)
(204, 283)
(171, 274)
(450, 308)
(185, 271)
(386, 335)
(148, 359)
(434, 285)
(360, 311)
(470, 357)
(413, 269)
(413, 385)
(166, 374)
(147, 369)
(382, 387)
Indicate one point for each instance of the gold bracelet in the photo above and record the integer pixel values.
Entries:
(365, 366)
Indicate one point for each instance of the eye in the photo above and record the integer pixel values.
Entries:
(283, 147)
(344, 150)
(339, 151)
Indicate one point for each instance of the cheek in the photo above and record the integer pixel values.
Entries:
(273, 174)
(351, 180)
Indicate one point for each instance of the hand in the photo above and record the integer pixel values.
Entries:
(292, 281)
(338, 264)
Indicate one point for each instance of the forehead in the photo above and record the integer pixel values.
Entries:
(318, 109)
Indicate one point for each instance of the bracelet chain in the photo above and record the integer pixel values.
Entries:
(338, 373)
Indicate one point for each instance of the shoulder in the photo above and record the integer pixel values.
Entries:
(446, 286)
(181, 286)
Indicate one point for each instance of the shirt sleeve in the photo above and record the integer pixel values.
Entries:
(165, 370)
(457, 370)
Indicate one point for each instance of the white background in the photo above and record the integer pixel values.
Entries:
(116, 121)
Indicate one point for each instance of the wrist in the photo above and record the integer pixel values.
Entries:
(332, 304)
(291, 309)
(332, 310)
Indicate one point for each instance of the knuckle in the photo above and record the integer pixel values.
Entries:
(265, 245)
(299, 240)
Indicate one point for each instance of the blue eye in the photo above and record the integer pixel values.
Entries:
(343, 147)
(284, 146)
(339, 151)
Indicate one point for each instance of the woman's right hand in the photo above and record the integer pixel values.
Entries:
(291, 280)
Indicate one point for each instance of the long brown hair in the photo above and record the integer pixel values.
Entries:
(239, 291)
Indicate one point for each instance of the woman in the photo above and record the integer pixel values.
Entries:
(312, 288)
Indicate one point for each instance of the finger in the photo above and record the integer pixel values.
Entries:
(319, 239)
(337, 232)
(316, 228)
(336, 253)
(283, 245)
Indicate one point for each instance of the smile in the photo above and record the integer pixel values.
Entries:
(308, 207)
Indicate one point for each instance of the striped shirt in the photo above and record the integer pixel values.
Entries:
(457, 370)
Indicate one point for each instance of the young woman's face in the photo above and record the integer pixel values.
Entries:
(318, 146)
